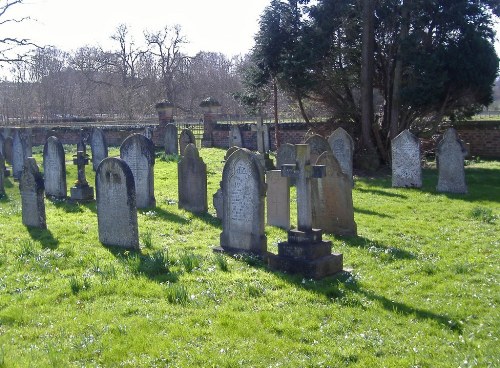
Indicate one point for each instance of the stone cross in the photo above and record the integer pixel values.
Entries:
(303, 171)
(259, 128)
(80, 160)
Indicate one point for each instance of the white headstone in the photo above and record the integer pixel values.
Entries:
(406, 169)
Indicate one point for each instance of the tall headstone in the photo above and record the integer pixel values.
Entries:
(98, 146)
(192, 180)
(186, 137)
(139, 154)
(2, 177)
(235, 136)
(31, 187)
(450, 154)
(8, 149)
(331, 197)
(318, 145)
(305, 252)
(171, 140)
(406, 169)
(342, 146)
(18, 155)
(243, 192)
(116, 206)
(278, 199)
(267, 138)
(54, 168)
(27, 142)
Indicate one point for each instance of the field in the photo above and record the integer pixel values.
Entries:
(422, 290)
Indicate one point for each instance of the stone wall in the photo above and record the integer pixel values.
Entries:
(483, 138)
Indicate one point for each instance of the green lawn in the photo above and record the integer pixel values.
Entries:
(423, 288)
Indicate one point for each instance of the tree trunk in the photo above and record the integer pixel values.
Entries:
(303, 111)
(277, 139)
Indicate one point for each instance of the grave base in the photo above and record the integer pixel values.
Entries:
(82, 194)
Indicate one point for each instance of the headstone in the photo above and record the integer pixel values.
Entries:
(318, 145)
(54, 168)
(171, 140)
(230, 151)
(218, 203)
(98, 146)
(139, 154)
(278, 199)
(27, 142)
(186, 137)
(192, 181)
(305, 252)
(235, 136)
(81, 191)
(243, 192)
(2, 142)
(450, 154)
(8, 148)
(285, 155)
(267, 138)
(5, 171)
(32, 195)
(342, 146)
(2, 178)
(116, 206)
(406, 169)
(331, 197)
(18, 155)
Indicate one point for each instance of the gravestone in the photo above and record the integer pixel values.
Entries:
(267, 138)
(450, 154)
(2, 142)
(18, 155)
(139, 154)
(318, 145)
(305, 252)
(171, 140)
(27, 142)
(98, 146)
(81, 191)
(218, 203)
(278, 199)
(54, 168)
(235, 136)
(230, 151)
(7, 149)
(342, 146)
(285, 155)
(186, 137)
(116, 206)
(331, 196)
(5, 171)
(192, 181)
(2, 177)
(32, 195)
(406, 169)
(243, 192)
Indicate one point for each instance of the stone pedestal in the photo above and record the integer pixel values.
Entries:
(81, 193)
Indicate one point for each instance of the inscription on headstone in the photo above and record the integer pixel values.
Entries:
(31, 187)
(192, 181)
(406, 169)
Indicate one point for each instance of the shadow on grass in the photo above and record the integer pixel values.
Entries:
(376, 247)
(209, 219)
(8, 182)
(382, 192)
(373, 213)
(65, 205)
(44, 236)
(166, 215)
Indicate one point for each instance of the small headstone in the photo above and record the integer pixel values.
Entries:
(192, 181)
(81, 191)
(235, 136)
(267, 138)
(218, 203)
(139, 154)
(450, 154)
(342, 146)
(32, 195)
(7, 149)
(171, 140)
(186, 137)
(18, 155)
(116, 206)
(318, 145)
(98, 146)
(406, 169)
(331, 197)
(2, 170)
(54, 168)
(278, 199)
(243, 192)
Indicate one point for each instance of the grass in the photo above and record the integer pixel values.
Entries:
(423, 290)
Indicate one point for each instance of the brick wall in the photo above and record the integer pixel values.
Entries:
(484, 139)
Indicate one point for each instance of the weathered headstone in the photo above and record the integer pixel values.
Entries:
(318, 145)
(54, 168)
(450, 154)
(235, 136)
(192, 181)
(331, 197)
(116, 206)
(2, 177)
(243, 192)
(186, 137)
(218, 203)
(406, 169)
(18, 155)
(98, 146)
(32, 195)
(267, 138)
(7, 149)
(81, 191)
(27, 142)
(171, 140)
(278, 199)
(342, 146)
(305, 252)
(285, 155)
(139, 154)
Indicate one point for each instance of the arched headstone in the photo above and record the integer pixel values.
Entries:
(342, 146)
(318, 145)
(54, 168)
(18, 155)
(235, 136)
(31, 187)
(98, 146)
(450, 155)
(406, 169)
(171, 140)
(192, 181)
(186, 137)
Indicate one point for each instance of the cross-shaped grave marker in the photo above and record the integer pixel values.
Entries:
(259, 129)
(81, 191)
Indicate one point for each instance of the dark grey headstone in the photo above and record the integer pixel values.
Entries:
(192, 181)
(243, 193)
(139, 154)
(342, 146)
(18, 154)
(278, 199)
(450, 155)
(285, 155)
(218, 203)
(116, 206)
(7, 149)
(2, 177)
(186, 137)
(406, 169)
(32, 195)
(27, 142)
(267, 138)
(171, 140)
(318, 145)
(2, 143)
(98, 146)
(54, 168)
(235, 136)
